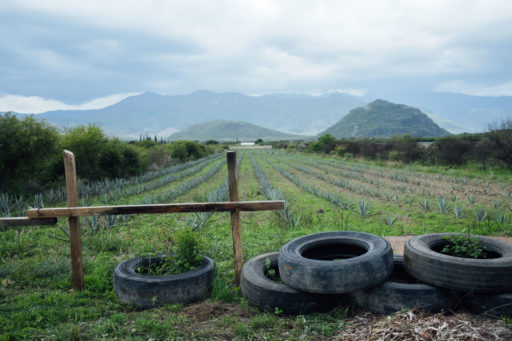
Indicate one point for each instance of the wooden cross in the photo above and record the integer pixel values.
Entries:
(48, 216)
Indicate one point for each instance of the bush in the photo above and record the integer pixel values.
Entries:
(27, 149)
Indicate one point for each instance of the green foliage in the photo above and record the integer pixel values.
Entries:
(324, 144)
(27, 149)
(465, 247)
(187, 255)
(98, 156)
(187, 150)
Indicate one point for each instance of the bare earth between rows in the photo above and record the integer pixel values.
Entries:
(398, 242)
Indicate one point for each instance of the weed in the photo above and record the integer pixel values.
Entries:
(465, 247)
(187, 255)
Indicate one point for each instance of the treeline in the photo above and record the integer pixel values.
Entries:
(31, 154)
(492, 148)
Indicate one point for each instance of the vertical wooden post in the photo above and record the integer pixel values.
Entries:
(235, 215)
(74, 222)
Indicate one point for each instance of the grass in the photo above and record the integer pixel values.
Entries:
(37, 300)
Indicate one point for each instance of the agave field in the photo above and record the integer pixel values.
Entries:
(321, 194)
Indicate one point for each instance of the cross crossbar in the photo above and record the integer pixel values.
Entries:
(24, 221)
(225, 206)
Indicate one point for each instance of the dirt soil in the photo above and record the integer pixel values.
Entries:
(407, 325)
(397, 243)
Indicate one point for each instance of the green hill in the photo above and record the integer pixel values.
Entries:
(384, 119)
(222, 130)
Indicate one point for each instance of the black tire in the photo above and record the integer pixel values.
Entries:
(493, 275)
(408, 293)
(492, 305)
(145, 291)
(335, 262)
(268, 295)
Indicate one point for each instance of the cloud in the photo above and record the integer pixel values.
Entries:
(37, 105)
(74, 51)
(476, 89)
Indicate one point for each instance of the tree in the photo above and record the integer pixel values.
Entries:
(407, 148)
(324, 143)
(27, 148)
(452, 150)
(500, 138)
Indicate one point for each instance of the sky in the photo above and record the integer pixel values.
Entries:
(71, 54)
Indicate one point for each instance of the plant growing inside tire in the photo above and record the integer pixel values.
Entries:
(181, 277)
(187, 255)
(465, 246)
(424, 260)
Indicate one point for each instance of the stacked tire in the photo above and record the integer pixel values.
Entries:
(318, 271)
(322, 270)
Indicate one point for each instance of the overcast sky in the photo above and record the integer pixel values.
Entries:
(89, 54)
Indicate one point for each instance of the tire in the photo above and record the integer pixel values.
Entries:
(392, 296)
(145, 291)
(269, 295)
(335, 262)
(492, 305)
(493, 275)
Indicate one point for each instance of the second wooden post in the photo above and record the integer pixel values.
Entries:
(235, 216)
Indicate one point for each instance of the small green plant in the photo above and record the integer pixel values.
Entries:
(464, 246)
(186, 256)
(425, 204)
(480, 215)
(364, 208)
(442, 204)
(271, 273)
(458, 211)
(390, 220)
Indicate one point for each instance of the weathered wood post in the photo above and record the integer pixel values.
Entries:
(235, 215)
(74, 222)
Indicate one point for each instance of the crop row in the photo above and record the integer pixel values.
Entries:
(440, 204)
(271, 193)
(107, 189)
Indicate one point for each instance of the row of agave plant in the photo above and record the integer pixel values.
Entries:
(363, 208)
(362, 172)
(288, 213)
(198, 220)
(393, 187)
(107, 189)
(498, 216)
(95, 224)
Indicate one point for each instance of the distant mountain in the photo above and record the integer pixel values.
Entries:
(158, 114)
(468, 113)
(222, 130)
(384, 119)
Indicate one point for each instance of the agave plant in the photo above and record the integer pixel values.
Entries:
(480, 215)
(390, 220)
(458, 211)
(442, 204)
(364, 208)
(4, 204)
(425, 204)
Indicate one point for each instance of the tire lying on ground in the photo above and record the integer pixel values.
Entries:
(267, 294)
(423, 261)
(493, 305)
(401, 291)
(144, 291)
(335, 262)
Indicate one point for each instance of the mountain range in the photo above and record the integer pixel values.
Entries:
(164, 115)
